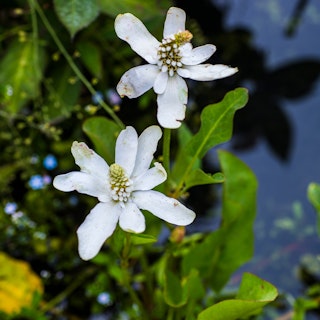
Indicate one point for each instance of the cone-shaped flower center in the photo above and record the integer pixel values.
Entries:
(169, 54)
(121, 185)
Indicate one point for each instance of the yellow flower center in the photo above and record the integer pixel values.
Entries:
(121, 185)
(169, 51)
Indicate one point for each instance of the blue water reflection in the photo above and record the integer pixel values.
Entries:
(285, 226)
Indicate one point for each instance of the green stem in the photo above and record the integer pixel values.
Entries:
(127, 276)
(64, 294)
(170, 313)
(73, 66)
(166, 154)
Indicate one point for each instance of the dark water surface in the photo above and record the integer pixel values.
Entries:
(286, 236)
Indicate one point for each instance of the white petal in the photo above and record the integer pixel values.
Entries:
(198, 55)
(137, 81)
(147, 145)
(83, 183)
(131, 218)
(89, 161)
(126, 149)
(175, 22)
(208, 72)
(165, 208)
(160, 83)
(96, 228)
(171, 104)
(183, 72)
(151, 178)
(132, 30)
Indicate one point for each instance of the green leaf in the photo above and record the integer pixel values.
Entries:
(103, 133)
(145, 8)
(254, 294)
(198, 177)
(138, 238)
(175, 293)
(254, 288)
(225, 250)
(76, 14)
(302, 305)
(63, 93)
(314, 197)
(21, 71)
(91, 56)
(216, 127)
(217, 123)
(178, 292)
(184, 136)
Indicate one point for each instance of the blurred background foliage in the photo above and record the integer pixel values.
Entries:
(45, 105)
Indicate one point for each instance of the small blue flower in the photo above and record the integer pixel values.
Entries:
(113, 97)
(10, 208)
(46, 179)
(36, 182)
(50, 162)
(97, 97)
(104, 298)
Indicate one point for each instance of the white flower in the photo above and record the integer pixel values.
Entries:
(122, 189)
(170, 61)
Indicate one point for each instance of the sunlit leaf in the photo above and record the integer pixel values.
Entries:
(21, 71)
(138, 238)
(76, 14)
(198, 177)
(103, 133)
(226, 249)
(217, 123)
(314, 198)
(254, 293)
(216, 128)
(18, 284)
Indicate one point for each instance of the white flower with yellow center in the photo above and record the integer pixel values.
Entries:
(169, 61)
(122, 189)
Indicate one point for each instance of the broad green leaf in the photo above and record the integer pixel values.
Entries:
(198, 177)
(64, 91)
(142, 9)
(254, 294)
(255, 288)
(184, 136)
(137, 238)
(226, 249)
(91, 56)
(103, 133)
(314, 197)
(76, 14)
(216, 128)
(21, 71)
(175, 294)
(217, 123)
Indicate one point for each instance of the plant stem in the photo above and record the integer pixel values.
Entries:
(64, 294)
(166, 154)
(73, 66)
(127, 276)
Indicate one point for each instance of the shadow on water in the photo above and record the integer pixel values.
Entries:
(274, 44)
